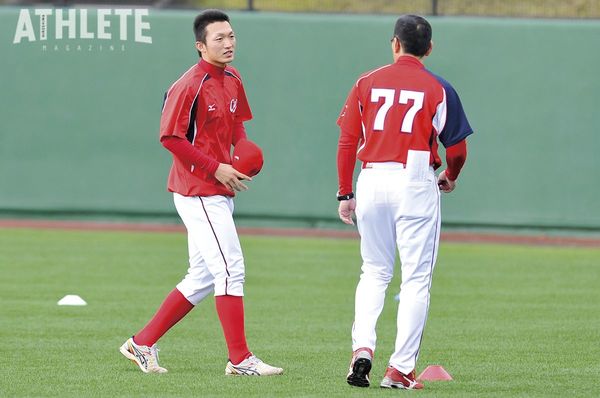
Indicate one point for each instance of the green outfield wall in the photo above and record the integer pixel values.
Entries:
(79, 117)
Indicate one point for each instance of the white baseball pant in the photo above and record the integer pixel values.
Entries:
(396, 206)
(216, 261)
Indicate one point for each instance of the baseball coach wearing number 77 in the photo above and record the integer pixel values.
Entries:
(392, 121)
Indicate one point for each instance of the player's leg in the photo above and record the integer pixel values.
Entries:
(418, 231)
(141, 348)
(378, 253)
(221, 250)
(196, 285)
(172, 310)
(212, 229)
(213, 236)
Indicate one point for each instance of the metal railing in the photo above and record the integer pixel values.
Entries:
(484, 8)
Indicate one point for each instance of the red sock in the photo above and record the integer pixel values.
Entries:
(175, 307)
(231, 314)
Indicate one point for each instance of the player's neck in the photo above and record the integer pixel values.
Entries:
(214, 69)
(214, 63)
(401, 54)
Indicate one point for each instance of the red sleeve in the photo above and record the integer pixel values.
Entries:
(350, 133)
(456, 155)
(350, 117)
(239, 132)
(175, 117)
(346, 159)
(189, 154)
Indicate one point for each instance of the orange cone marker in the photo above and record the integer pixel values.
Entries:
(434, 373)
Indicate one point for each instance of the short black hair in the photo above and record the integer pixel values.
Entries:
(204, 19)
(414, 33)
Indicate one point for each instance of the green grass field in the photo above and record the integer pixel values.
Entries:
(504, 320)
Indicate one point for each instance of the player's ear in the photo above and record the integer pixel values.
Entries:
(430, 48)
(396, 45)
(200, 46)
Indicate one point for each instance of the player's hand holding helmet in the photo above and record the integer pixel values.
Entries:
(247, 158)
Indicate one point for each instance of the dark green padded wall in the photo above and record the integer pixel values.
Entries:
(79, 129)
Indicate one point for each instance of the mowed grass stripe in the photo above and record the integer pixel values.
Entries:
(504, 320)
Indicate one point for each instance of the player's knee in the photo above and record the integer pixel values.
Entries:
(418, 289)
(236, 279)
(194, 293)
(375, 272)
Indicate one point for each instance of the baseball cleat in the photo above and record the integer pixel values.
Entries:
(360, 366)
(251, 366)
(145, 357)
(395, 379)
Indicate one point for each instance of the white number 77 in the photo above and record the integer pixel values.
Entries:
(405, 96)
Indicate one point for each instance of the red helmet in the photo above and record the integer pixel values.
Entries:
(247, 158)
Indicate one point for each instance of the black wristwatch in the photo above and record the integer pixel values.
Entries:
(345, 197)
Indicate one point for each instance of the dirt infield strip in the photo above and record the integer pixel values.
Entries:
(465, 237)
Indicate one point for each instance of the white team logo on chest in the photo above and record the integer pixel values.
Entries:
(233, 105)
(212, 107)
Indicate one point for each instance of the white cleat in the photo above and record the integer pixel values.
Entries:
(145, 357)
(252, 366)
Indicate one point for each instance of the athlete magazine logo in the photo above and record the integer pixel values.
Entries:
(77, 30)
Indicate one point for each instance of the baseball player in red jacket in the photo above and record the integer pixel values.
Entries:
(203, 116)
(392, 121)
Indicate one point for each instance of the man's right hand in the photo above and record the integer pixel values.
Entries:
(346, 210)
(231, 178)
